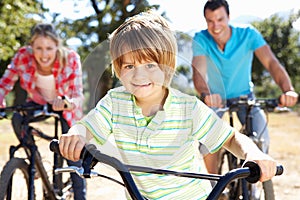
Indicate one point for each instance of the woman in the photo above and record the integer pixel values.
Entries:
(47, 71)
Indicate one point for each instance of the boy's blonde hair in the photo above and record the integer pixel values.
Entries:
(149, 38)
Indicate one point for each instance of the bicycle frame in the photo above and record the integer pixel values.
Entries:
(32, 152)
(249, 104)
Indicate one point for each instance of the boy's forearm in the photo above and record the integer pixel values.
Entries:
(79, 129)
(243, 147)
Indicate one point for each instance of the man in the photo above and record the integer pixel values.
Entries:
(222, 59)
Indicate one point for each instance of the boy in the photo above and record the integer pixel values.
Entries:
(152, 124)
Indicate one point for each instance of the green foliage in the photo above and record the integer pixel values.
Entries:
(284, 41)
(17, 18)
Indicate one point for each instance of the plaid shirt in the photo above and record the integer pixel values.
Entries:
(68, 80)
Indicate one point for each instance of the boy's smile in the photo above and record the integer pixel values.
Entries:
(143, 79)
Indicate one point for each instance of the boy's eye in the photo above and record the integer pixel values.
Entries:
(129, 67)
(151, 65)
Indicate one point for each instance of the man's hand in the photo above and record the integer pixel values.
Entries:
(213, 100)
(288, 99)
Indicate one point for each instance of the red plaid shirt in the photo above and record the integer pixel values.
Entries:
(68, 80)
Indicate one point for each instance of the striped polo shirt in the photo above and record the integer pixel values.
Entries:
(169, 141)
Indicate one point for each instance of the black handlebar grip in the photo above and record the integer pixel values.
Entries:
(279, 170)
(54, 146)
(255, 171)
(67, 103)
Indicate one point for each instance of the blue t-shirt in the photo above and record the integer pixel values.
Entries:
(229, 71)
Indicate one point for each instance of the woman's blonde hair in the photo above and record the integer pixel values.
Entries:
(149, 38)
(47, 30)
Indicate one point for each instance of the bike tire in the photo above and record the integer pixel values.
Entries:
(269, 190)
(228, 162)
(15, 169)
(63, 182)
(261, 191)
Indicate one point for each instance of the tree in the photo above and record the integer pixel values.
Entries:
(17, 18)
(284, 42)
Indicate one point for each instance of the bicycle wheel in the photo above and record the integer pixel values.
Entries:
(268, 190)
(64, 181)
(262, 191)
(14, 180)
(228, 162)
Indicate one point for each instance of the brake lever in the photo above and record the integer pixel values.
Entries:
(78, 170)
(3, 115)
(88, 159)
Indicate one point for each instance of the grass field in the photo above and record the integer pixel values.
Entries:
(284, 131)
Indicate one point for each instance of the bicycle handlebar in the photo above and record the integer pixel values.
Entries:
(45, 110)
(91, 156)
(271, 105)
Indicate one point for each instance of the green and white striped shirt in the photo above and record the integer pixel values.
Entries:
(169, 141)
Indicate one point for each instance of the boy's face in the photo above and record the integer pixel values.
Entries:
(143, 79)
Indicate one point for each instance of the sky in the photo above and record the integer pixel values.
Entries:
(188, 16)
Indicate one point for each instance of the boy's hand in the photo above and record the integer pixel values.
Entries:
(268, 169)
(71, 145)
(266, 163)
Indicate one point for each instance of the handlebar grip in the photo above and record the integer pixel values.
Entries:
(67, 103)
(279, 170)
(54, 146)
(255, 171)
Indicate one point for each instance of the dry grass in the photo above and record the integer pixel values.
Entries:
(284, 130)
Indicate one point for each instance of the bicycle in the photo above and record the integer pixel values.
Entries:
(29, 165)
(91, 156)
(240, 189)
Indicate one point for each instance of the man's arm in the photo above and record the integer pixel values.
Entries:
(279, 74)
(199, 74)
(200, 82)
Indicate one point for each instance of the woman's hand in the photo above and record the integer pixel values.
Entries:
(60, 103)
